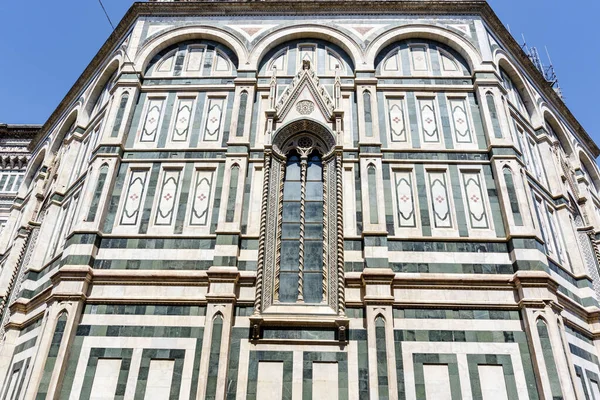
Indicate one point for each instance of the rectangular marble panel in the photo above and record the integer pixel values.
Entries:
(437, 382)
(270, 380)
(325, 381)
(493, 386)
(106, 379)
(160, 375)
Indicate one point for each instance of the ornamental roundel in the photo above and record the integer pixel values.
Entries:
(305, 107)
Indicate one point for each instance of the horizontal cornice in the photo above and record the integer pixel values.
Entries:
(329, 7)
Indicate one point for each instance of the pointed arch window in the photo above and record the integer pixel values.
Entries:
(301, 265)
(299, 254)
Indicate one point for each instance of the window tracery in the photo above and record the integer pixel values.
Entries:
(299, 257)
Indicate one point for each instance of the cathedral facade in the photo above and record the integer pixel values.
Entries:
(305, 200)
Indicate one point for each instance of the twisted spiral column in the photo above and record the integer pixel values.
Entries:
(261, 239)
(325, 234)
(278, 241)
(303, 166)
(340, 237)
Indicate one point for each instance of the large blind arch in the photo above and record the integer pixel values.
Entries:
(315, 141)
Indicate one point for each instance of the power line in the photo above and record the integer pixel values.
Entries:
(113, 28)
(106, 13)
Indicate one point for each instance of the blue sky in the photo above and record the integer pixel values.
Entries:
(45, 45)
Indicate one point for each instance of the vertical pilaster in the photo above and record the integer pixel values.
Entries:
(69, 288)
(378, 298)
(217, 333)
(540, 313)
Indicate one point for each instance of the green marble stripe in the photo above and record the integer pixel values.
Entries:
(150, 192)
(19, 368)
(227, 120)
(457, 314)
(111, 212)
(188, 155)
(429, 246)
(22, 380)
(31, 326)
(360, 337)
(49, 365)
(246, 204)
(550, 362)
(137, 115)
(426, 81)
(387, 195)
(119, 118)
(445, 118)
(28, 344)
(423, 204)
(181, 209)
(459, 206)
(132, 309)
(214, 358)
(381, 353)
(237, 335)
(163, 131)
(581, 376)
(450, 268)
(158, 243)
(581, 353)
(143, 265)
(476, 113)
(217, 202)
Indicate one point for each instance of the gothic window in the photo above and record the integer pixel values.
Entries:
(372, 183)
(491, 104)
(302, 217)
(512, 196)
(104, 94)
(368, 113)
(514, 95)
(301, 265)
(103, 172)
(120, 114)
(242, 114)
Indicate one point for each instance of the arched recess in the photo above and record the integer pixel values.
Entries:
(101, 87)
(555, 129)
(397, 58)
(67, 127)
(177, 35)
(590, 168)
(504, 64)
(288, 56)
(32, 170)
(302, 142)
(193, 58)
(434, 33)
(306, 33)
